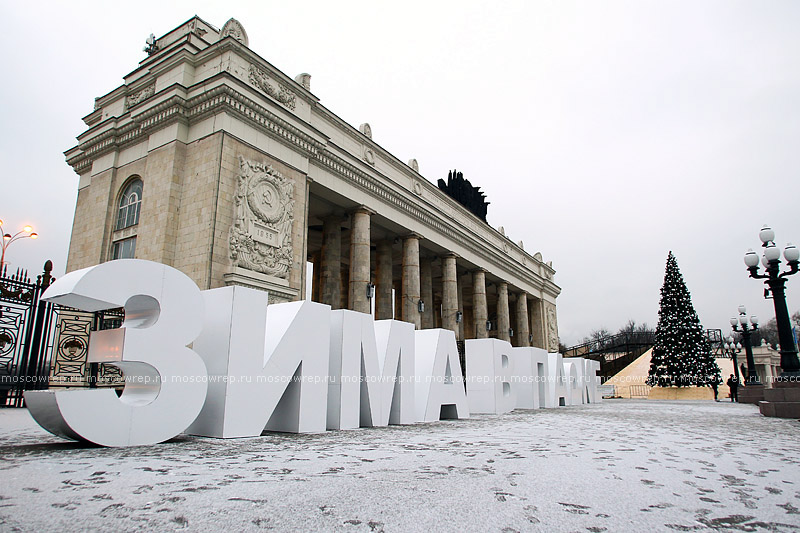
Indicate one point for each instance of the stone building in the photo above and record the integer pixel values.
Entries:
(211, 160)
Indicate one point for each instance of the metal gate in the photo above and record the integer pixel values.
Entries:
(26, 327)
(43, 345)
(70, 348)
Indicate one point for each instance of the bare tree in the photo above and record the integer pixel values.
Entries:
(768, 332)
(597, 336)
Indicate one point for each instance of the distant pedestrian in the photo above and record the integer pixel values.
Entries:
(733, 384)
(715, 387)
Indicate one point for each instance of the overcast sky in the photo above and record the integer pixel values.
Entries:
(605, 134)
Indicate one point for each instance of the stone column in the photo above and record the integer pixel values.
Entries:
(426, 290)
(449, 293)
(537, 324)
(460, 293)
(316, 278)
(503, 321)
(332, 262)
(398, 299)
(345, 273)
(480, 313)
(359, 260)
(383, 286)
(411, 285)
(523, 329)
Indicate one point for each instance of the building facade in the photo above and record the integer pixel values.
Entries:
(211, 160)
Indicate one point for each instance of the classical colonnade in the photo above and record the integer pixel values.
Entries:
(428, 289)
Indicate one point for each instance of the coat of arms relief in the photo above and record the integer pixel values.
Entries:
(261, 235)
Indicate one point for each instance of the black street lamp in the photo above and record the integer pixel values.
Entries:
(746, 331)
(733, 348)
(776, 281)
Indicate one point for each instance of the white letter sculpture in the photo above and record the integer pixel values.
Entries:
(545, 383)
(531, 371)
(489, 376)
(267, 365)
(558, 392)
(591, 368)
(576, 385)
(254, 367)
(371, 371)
(165, 382)
(440, 387)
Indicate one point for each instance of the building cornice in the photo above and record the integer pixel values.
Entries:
(432, 189)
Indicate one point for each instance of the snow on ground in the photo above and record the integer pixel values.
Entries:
(623, 465)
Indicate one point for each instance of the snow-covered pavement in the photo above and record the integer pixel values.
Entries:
(623, 465)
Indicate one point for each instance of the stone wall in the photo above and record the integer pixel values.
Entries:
(284, 287)
(187, 211)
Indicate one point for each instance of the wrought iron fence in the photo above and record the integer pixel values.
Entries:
(43, 345)
(25, 334)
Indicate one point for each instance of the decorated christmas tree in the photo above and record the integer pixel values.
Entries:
(681, 355)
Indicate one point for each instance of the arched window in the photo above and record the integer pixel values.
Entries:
(129, 204)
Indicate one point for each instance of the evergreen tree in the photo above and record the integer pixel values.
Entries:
(681, 355)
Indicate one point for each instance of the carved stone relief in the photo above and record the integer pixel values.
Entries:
(197, 30)
(366, 129)
(369, 156)
(139, 96)
(234, 29)
(552, 327)
(413, 164)
(259, 79)
(261, 236)
(304, 79)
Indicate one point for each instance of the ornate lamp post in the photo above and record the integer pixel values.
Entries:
(776, 281)
(732, 348)
(25, 233)
(740, 325)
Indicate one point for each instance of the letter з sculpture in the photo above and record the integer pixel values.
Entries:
(165, 382)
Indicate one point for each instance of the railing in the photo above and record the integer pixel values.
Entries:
(611, 344)
(614, 352)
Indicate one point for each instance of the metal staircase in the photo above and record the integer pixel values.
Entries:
(614, 352)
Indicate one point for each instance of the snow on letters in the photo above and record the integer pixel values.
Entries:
(222, 363)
